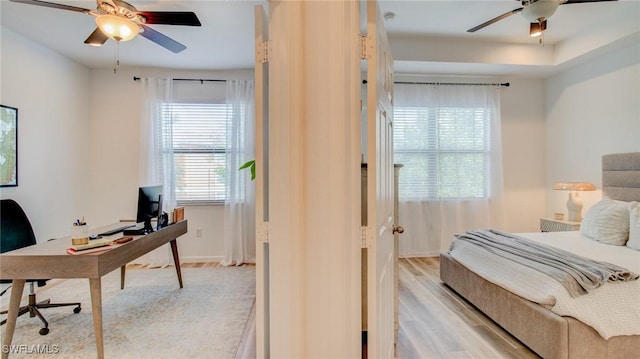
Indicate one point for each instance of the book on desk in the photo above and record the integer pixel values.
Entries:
(97, 245)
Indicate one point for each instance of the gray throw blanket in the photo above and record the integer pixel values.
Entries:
(577, 274)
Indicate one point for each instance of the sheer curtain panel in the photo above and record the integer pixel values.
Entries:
(448, 138)
(156, 153)
(239, 211)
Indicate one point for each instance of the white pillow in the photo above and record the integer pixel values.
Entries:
(634, 226)
(607, 221)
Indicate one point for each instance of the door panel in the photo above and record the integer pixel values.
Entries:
(261, 77)
(380, 196)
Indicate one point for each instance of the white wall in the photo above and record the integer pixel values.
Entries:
(523, 154)
(52, 96)
(591, 109)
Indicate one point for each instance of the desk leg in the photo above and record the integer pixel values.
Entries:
(123, 271)
(95, 287)
(12, 315)
(176, 260)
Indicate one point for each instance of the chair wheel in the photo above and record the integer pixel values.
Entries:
(44, 331)
(77, 310)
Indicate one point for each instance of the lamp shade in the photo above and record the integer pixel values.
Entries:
(574, 186)
(117, 27)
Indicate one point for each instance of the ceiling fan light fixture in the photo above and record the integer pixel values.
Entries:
(536, 28)
(540, 10)
(117, 27)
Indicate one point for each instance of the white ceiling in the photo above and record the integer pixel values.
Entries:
(225, 40)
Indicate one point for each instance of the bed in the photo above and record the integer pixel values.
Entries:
(547, 333)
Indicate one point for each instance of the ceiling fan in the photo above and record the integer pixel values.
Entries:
(121, 21)
(536, 11)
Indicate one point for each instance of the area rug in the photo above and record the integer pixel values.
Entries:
(151, 318)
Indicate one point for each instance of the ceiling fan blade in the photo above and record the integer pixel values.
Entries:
(97, 38)
(53, 5)
(184, 18)
(162, 40)
(582, 1)
(495, 19)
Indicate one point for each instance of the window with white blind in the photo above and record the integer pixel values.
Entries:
(445, 152)
(199, 150)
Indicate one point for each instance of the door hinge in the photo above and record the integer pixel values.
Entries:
(263, 52)
(263, 232)
(366, 47)
(364, 232)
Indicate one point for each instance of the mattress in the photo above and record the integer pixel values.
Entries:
(612, 310)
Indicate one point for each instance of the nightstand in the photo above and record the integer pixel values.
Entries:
(555, 225)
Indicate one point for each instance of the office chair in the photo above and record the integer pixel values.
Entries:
(16, 232)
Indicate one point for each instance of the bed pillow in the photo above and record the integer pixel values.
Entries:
(607, 221)
(634, 226)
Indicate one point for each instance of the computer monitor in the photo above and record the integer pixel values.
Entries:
(149, 206)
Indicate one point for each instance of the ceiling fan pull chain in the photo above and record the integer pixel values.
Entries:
(116, 57)
(117, 53)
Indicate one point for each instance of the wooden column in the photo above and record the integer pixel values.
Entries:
(314, 179)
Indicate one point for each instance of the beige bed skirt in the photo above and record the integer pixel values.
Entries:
(546, 333)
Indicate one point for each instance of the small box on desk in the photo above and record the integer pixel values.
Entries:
(177, 215)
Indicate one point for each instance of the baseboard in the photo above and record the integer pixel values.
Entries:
(419, 254)
(201, 259)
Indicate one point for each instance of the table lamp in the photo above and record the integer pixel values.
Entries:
(574, 204)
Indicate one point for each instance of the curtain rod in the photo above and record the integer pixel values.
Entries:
(505, 84)
(136, 78)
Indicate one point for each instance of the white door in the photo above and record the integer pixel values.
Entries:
(262, 216)
(380, 196)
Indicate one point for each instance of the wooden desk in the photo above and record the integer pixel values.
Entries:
(50, 260)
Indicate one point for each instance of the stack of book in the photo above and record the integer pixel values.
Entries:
(95, 245)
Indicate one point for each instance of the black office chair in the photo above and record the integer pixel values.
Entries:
(16, 232)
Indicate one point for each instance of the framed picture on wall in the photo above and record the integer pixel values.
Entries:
(8, 146)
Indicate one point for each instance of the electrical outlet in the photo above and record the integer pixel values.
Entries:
(199, 232)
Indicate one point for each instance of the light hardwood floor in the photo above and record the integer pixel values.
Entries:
(434, 321)
(437, 323)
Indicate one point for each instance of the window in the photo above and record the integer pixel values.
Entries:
(199, 150)
(445, 152)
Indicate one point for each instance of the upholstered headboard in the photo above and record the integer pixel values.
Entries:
(621, 176)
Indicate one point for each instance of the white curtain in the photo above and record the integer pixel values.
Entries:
(430, 222)
(239, 209)
(156, 153)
